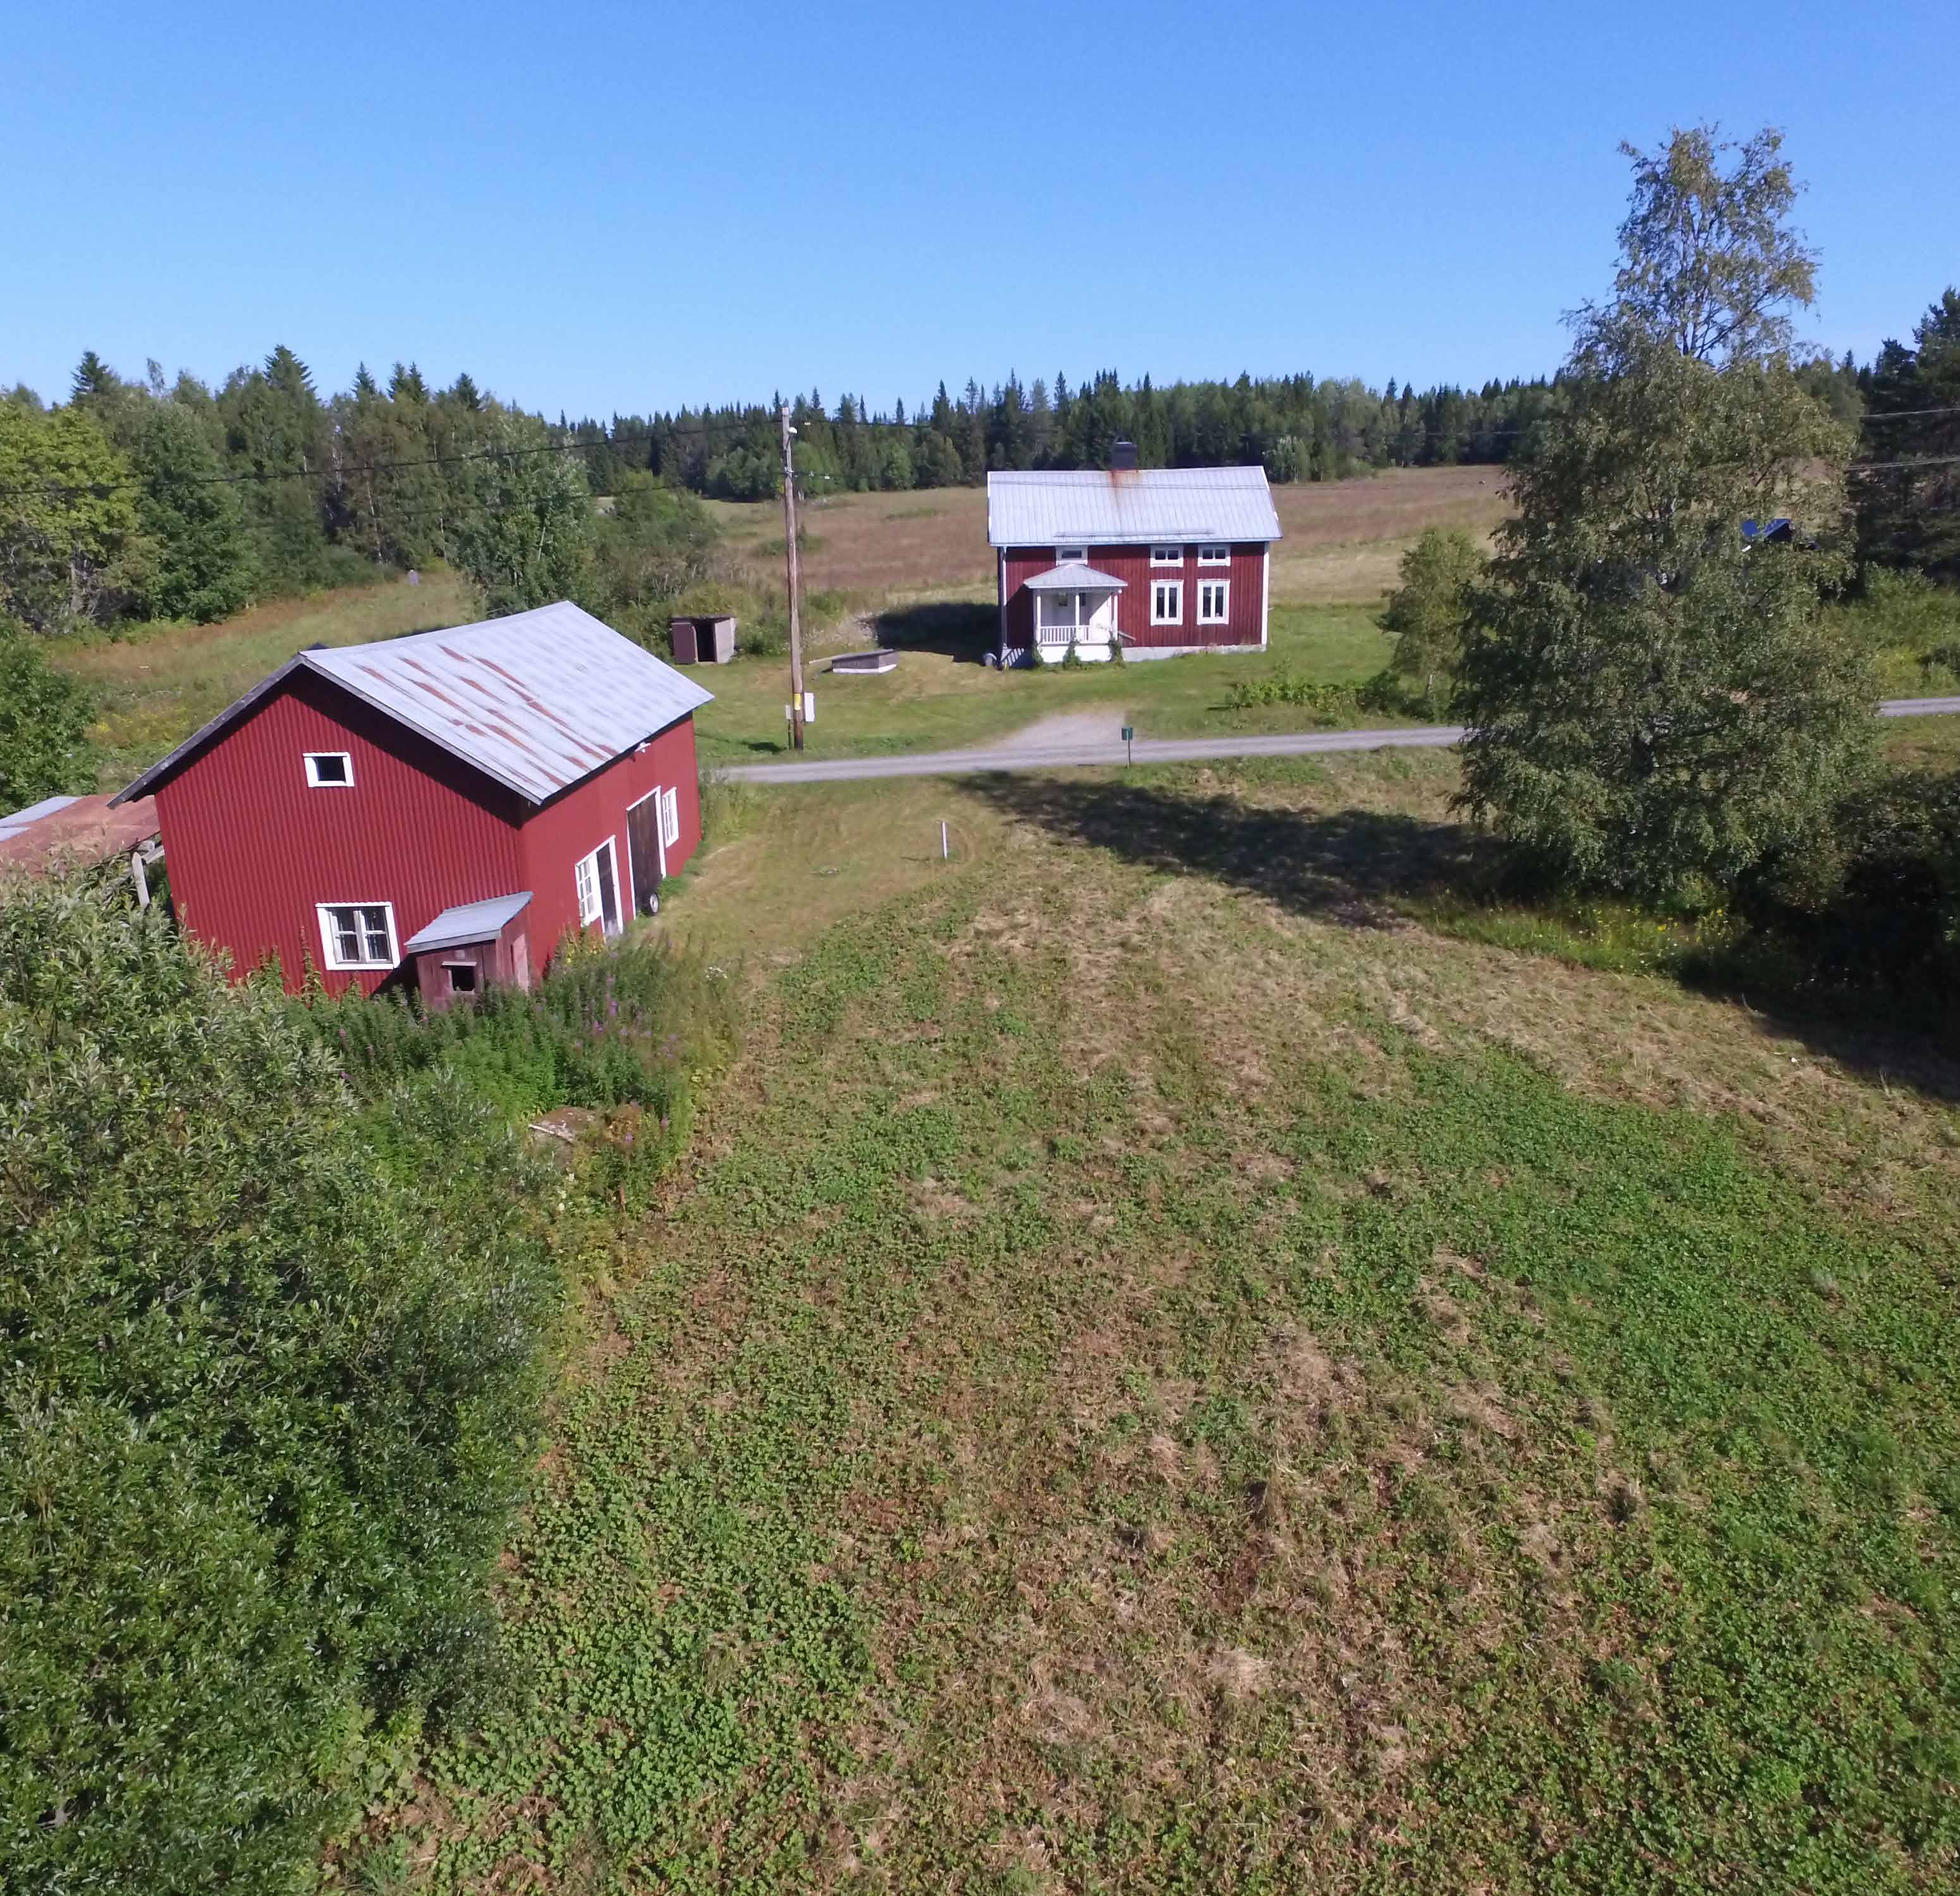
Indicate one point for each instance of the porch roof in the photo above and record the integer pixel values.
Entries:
(468, 922)
(1076, 577)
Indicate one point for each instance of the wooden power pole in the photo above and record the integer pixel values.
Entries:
(795, 582)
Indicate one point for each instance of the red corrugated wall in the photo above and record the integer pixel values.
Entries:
(575, 824)
(1246, 573)
(251, 848)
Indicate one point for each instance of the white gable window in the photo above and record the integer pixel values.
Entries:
(1214, 556)
(1166, 556)
(1167, 602)
(1214, 601)
(1071, 556)
(329, 770)
(358, 934)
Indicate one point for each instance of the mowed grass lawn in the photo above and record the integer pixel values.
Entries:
(1165, 1374)
(941, 697)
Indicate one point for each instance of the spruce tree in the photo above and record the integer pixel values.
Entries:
(204, 567)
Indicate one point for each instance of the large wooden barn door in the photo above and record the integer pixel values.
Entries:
(643, 846)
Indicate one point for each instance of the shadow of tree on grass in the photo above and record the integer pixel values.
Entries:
(961, 632)
(1370, 869)
(1349, 866)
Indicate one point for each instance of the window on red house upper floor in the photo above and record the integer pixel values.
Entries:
(1214, 601)
(329, 770)
(1071, 556)
(1214, 556)
(1166, 556)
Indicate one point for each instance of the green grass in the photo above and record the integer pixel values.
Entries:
(153, 690)
(1151, 1387)
(940, 697)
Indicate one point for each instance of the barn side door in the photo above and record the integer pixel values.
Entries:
(648, 854)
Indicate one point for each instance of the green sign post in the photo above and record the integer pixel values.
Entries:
(1129, 736)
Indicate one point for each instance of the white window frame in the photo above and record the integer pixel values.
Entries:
(330, 936)
(1166, 556)
(1218, 591)
(1214, 555)
(1072, 555)
(669, 819)
(1174, 588)
(589, 860)
(315, 781)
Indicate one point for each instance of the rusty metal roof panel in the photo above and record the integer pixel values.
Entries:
(1161, 503)
(536, 701)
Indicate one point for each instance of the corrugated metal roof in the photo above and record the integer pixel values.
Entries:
(26, 818)
(89, 827)
(1158, 504)
(468, 921)
(1075, 577)
(536, 701)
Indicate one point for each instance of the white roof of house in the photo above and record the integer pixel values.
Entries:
(1167, 503)
(537, 700)
(468, 921)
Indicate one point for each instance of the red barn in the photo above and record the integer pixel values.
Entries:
(441, 810)
(1163, 560)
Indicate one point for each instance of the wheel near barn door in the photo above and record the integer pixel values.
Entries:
(648, 853)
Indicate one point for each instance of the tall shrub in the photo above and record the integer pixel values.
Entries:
(266, 1402)
(1657, 703)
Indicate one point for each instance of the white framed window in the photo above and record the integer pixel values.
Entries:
(329, 770)
(1214, 601)
(1166, 556)
(1072, 555)
(1167, 602)
(358, 934)
(671, 817)
(1214, 556)
(596, 878)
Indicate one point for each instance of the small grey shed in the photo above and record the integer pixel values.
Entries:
(702, 638)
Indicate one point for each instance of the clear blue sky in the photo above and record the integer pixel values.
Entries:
(596, 206)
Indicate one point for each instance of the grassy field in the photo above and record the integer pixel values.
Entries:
(1166, 1373)
(1342, 539)
(154, 691)
(941, 697)
(913, 570)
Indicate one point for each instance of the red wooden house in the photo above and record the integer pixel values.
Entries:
(439, 810)
(1162, 561)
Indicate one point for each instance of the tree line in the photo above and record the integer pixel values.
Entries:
(1298, 428)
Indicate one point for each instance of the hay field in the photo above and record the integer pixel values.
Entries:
(1342, 539)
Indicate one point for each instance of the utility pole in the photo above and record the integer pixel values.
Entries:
(795, 582)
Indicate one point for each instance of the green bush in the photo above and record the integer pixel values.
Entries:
(621, 1030)
(44, 719)
(271, 1390)
(1283, 687)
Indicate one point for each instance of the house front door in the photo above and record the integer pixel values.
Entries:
(648, 854)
